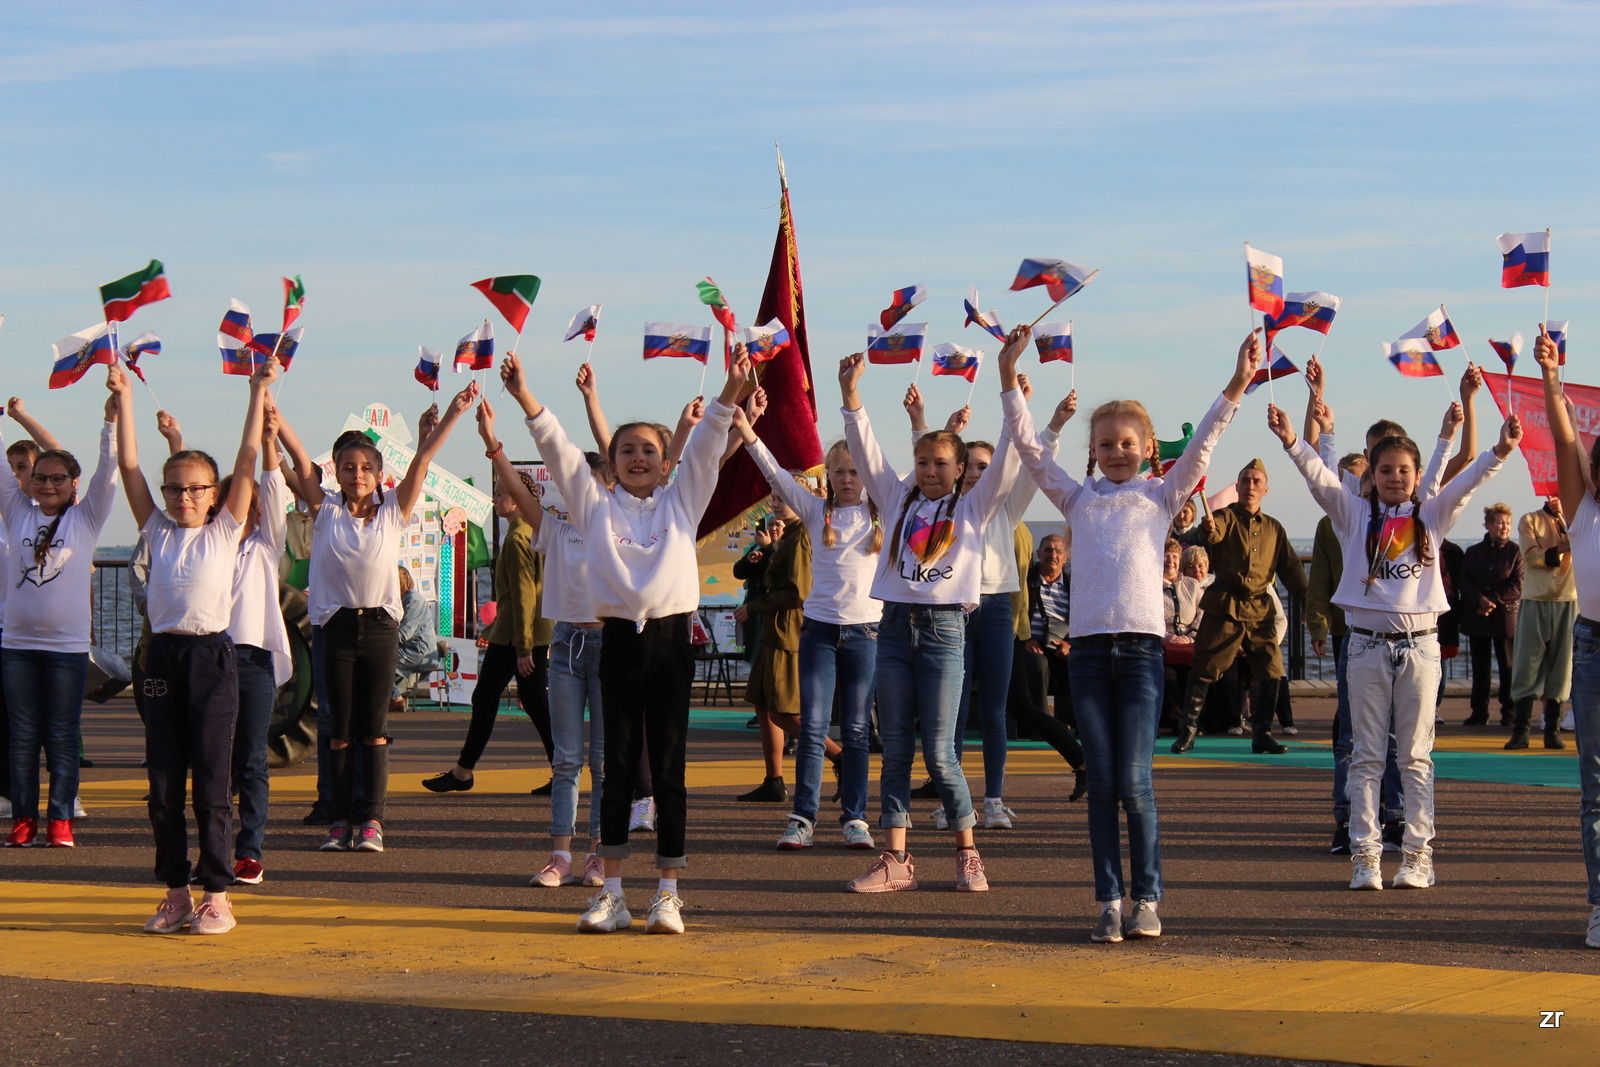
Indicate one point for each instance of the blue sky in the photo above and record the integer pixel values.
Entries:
(391, 154)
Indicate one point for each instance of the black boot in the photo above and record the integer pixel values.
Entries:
(1194, 702)
(1552, 725)
(1263, 705)
(1522, 715)
(771, 790)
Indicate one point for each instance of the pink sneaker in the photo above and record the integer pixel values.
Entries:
(213, 916)
(556, 873)
(969, 872)
(175, 911)
(887, 875)
(594, 871)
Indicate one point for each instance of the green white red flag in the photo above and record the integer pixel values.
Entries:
(126, 295)
(294, 300)
(512, 295)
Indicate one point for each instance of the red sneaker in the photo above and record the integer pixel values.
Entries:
(23, 831)
(248, 872)
(60, 834)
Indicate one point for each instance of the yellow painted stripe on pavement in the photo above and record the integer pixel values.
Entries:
(512, 961)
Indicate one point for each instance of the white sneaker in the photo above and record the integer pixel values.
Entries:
(941, 821)
(77, 809)
(797, 836)
(1236, 731)
(996, 816)
(607, 912)
(1416, 870)
(856, 835)
(1593, 940)
(643, 815)
(5, 807)
(1290, 730)
(665, 914)
(1365, 870)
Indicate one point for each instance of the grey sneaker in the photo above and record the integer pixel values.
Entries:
(797, 836)
(856, 835)
(941, 821)
(1365, 872)
(1143, 922)
(996, 816)
(1416, 869)
(607, 912)
(1108, 930)
(1593, 940)
(665, 914)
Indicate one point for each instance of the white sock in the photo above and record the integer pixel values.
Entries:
(613, 885)
(668, 885)
(564, 855)
(1112, 905)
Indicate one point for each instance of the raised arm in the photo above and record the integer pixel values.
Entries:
(883, 485)
(42, 437)
(688, 419)
(1312, 433)
(244, 464)
(1571, 478)
(427, 422)
(591, 407)
(1433, 475)
(1324, 484)
(804, 503)
(301, 470)
(1186, 472)
(409, 491)
(507, 475)
(134, 485)
(1441, 511)
(1471, 382)
(167, 426)
(699, 467)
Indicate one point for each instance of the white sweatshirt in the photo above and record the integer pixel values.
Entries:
(1119, 529)
(956, 577)
(1406, 594)
(642, 561)
(1432, 476)
(841, 575)
(47, 608)
(566, 596)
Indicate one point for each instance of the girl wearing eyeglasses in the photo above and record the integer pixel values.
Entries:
(44, 648)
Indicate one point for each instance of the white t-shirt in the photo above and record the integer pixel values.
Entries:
(355, 563)
(257, 617)
(191, 573)
(47, 608)
(566, 596)
(1585, 536)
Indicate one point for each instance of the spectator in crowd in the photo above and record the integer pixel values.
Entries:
(1542, 650)
(1490, 584)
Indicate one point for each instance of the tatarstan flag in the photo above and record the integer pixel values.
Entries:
(294, 300)
(126, 295)
(512, 295)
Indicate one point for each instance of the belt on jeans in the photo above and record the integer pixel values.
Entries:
(1393, 635)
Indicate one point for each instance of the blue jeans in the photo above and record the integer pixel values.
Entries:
(920, 669)
(257, 694)
(990, 639)
(1116, 693)
(844, 656)
(1390, 800)
(1586, 720)
(574, 685)
(44, 702)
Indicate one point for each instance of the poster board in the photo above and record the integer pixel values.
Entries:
(455, 685)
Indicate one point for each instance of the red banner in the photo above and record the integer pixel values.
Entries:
(1527, 401)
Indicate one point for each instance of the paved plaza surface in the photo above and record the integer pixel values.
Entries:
(439, 949)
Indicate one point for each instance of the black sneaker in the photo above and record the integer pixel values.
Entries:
(317, 816)
(1394, 835)
(1341, 840)
(926, 791)
(446, 783)
(543, 790)
(1080, 784)
(771, 791)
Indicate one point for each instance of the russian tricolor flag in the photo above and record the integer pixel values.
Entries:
(674, 340)
(1525, 259)
(427, 371)
(1437, 330)
(1413, 357)
(986, 319)
(287, 344)
(902, 344)
(1314, 311)
(901, 303)
(1059, 278)
(1558, 334)
(953, 359)
(1264, 273)
(77, 352)
(1054, 341)
(146, 344)
(765, 342)
(1508, 351)
(236, 323)
(1280, 367)
(584, 324)
(475, 351)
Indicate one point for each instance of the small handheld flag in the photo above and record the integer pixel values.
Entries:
(674, 340)
(1059, 278)
(1437, 330)
(901, 303)
(1508, 351)
(146, 344)
(903, 344)
(1558, 334)
(1525, 259)
(986, 319)
(77, 352)
(475, 351)
(126, 295)
(1314, 311)
(236, 324)
(284, 346)
(512, 295)
(1054, 341)
(1264, 275)
(584, 324)
(294, 301)
(765, 342)
(1280, 367)
(956, 360)
(1413, 357)
(427, 371)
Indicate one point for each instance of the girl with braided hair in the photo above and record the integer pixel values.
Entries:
(929, 576)
(1392, 607)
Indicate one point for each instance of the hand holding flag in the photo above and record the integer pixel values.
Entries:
(1558, 335)
(1279, 367)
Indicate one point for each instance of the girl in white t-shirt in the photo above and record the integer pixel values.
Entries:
(355, 599)
(191, 685)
